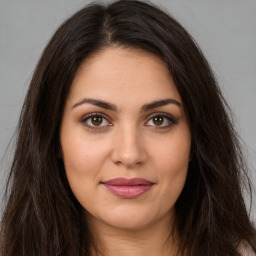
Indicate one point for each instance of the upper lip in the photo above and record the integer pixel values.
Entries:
(127, 182)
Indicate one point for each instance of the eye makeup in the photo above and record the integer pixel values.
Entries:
(99, 121)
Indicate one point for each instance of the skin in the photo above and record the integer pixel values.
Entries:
(128, 143)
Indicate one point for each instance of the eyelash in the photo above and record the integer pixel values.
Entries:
(90, 116)
(171, 120)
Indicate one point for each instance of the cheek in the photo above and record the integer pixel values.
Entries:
(173, 154)
(82, 160)
(172, 161)
(81, 153)
(81, 171)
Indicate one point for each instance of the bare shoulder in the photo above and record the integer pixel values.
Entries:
(246, 250)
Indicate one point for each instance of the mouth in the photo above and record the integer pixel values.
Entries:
(128, 188)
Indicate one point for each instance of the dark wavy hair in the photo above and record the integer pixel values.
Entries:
(43, 218)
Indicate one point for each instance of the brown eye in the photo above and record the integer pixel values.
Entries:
(96, 120)
(161, 120)
(158, 120)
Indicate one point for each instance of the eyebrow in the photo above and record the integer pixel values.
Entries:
(144, 108)
(159, 103)
(99, 103)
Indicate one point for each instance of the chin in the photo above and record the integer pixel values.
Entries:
(128, 223)
(132, 218)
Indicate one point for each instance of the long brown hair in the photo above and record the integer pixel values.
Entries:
(43, 218)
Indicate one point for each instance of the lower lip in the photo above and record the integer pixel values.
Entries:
(128, 191)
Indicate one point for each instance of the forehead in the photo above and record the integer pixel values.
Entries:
(122, 75)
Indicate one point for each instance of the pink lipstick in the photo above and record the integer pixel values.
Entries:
(128, 188)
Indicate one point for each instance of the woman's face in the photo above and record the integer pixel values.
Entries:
(125, 139)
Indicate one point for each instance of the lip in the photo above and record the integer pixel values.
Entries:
(128, 188)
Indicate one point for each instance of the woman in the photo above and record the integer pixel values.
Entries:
(125, 146)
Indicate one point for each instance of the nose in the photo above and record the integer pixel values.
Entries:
(129, 149)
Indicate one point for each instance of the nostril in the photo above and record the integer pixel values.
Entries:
(128, 148)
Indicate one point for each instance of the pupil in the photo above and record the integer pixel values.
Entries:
(158, 120)
(97, 120)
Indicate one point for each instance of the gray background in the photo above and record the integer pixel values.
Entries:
(225, 31)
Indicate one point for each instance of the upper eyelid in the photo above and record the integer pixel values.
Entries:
(108, 117)
(173, 120)
(160, 114)
(110, 120)
(96, 114)
(91, 127)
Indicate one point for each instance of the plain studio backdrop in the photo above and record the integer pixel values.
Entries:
(225, 30)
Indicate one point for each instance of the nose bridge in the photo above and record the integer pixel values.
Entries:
(129, 149)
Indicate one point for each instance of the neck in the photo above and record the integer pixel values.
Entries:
(153, 240)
